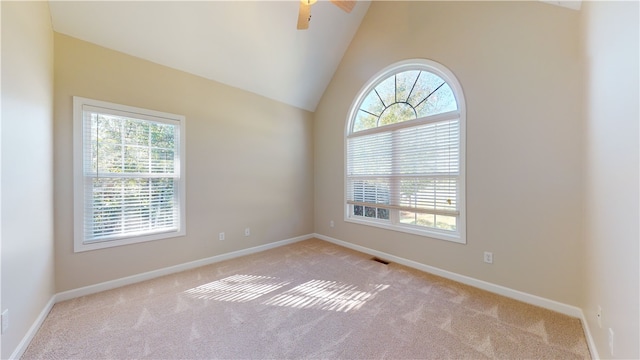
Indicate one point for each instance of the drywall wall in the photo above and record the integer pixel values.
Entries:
(27, 166)
(520, 67)
(249, 162)
(611, 39)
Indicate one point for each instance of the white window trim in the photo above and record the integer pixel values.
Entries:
(460, 236)
(78, 174)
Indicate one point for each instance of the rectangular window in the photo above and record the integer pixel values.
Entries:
(128, 175)
(407, 176)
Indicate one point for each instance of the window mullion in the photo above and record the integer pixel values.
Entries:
(407, 124)
(88, 178)
(394, 198)
(149, 223)
(122, 168)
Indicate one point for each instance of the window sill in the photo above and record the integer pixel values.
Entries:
(434, 234)
(80, 246)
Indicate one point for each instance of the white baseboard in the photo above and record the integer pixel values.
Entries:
(108, 285)
(22, 347)
(497, 289)
(566, 309)
(587, 333)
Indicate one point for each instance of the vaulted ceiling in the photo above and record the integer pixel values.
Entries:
(252, 45)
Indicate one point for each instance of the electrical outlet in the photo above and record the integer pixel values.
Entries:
(331, 224)
(5, 321)
(611, 341)
(599, 316)
(488, 257)
(247, 232)
(221, 236)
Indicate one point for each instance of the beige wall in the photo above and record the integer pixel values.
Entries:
(520, 67)
(612, 173)
(253, 162)
(27, 181)
(249, 162)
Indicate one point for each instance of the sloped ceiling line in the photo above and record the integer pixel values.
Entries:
(251, 45)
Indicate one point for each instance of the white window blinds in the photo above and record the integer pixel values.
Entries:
(131, 175)
(412, 167)
(405, 152)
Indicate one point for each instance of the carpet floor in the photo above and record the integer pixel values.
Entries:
(311, 299)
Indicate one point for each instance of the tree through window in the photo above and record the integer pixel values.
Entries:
(405, 152)
(129, 175)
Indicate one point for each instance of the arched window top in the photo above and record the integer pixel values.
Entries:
(405, 91)
(405, 152)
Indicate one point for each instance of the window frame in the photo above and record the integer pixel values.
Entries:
(393, 223)
(79, 176)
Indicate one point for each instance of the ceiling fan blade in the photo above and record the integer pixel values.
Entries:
(346, 5)
(304, 15)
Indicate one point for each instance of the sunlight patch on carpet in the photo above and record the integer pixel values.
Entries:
(237, 288)
(326, 295)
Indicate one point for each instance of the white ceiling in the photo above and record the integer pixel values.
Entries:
(252, 45)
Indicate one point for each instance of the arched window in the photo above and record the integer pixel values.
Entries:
(405, 152)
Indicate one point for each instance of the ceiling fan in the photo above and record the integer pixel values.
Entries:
(304, 14)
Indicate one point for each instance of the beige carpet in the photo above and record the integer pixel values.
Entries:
(311, 299)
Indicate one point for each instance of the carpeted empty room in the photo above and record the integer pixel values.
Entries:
(331, 179)
(310, 299)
